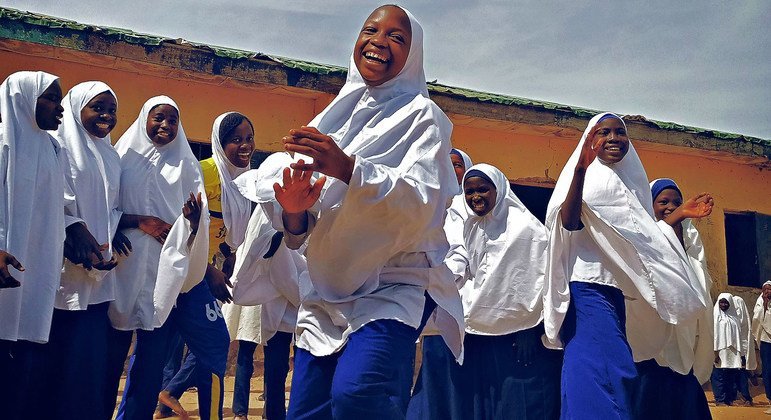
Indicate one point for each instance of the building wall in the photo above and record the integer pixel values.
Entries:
(532, 155)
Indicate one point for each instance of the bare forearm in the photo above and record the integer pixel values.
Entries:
(295, 223)
(570, 213)
(129, 221)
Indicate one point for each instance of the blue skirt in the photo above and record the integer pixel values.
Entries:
(598, 373)
(664, 393)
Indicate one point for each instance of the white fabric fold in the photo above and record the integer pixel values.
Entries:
(31, 209)
(761, 319)
(507, 263)
(156, 181)
(93, 174)
(747, 339)
(645, 259)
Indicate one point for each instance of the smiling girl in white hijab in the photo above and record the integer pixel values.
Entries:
(32, 226)
(670, 385)
(160, 285)
(79, 333)
(378, 228)
(730, 350)
(606, 247)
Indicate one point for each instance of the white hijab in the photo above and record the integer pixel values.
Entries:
(156, 181)
(235, 208)
(748, 340)
(760, 320)
(93, 172)
(727, 325)
(646, 259)
(507, 261)
(690, 346)
(31, 209)
(396, 126)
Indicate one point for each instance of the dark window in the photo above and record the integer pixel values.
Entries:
(748, 248)
(536, 199)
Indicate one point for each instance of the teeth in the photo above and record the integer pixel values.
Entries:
(103, 125)
(375, 56)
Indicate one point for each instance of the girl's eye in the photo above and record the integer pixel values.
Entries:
(398, 38)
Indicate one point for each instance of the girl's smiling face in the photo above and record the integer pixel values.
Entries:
(162, 124)
(480, 195)
(384, 43)
(666, 202)
(99, 115)
(239, 144)
(611, 141)
(724, 305)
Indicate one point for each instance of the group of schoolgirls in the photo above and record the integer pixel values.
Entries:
(370, 230)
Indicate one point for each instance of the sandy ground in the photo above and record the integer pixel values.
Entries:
(190, 402)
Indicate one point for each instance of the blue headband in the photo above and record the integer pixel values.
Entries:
(476, 172)
(606, 116)
(663, 184)
(456, 153)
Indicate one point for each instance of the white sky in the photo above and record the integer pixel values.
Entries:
(700, 63)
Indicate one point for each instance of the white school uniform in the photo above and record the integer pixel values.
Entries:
(621, 246)
(93, 174)
(32, 204)
(745, 329)
(156, 181)
(761, 320)
(729, 342)
(379, 240)
(507, 264)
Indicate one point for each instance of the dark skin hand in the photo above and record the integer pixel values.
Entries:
(6, 279)
(218, 284)
(150, 225)
(80, 247)
(327, 156)
(121, 244)
(192, 211)
(296, 196)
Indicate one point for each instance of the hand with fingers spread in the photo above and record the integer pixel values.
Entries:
(327, 156)
(192, 211)
(154, 227)
(588, 150)
(121, 244)
(298, 194)
(6, 279)
(80, 247)
(695, 208)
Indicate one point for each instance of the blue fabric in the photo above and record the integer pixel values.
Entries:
(765, 359)
(724, 385)
(173, 365)
(23, 378)
(663, 184)
(185, 378)
(76, 364)
(118, 346)
(244, 372)
(477, 173)
(598, 372)
(742, 384)
(493, 383)
(276, 370)
(663, 393)
(198, 320)
(369, 378)
(439, 379)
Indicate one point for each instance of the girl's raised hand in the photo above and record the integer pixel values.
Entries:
(298, 194)
(588, 150)
(699, 206)
(327, 156)
(192, 211)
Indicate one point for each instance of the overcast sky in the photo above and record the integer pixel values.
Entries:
(700, 63)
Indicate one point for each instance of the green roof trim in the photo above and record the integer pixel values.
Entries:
(77, 41)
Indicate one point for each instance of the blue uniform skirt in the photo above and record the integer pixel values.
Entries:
(598, 373)
(494, 382)
(663, 393)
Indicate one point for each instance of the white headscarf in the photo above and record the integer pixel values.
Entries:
(727, 325)
(507, 261)
(647, 260)
(235, 208)
(31, 209)
(748, 341)
(93, 173)
(397, 127)
(690, 346)
(760, 319)
(156, 181)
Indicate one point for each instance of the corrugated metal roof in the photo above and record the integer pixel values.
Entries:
(132, 37)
